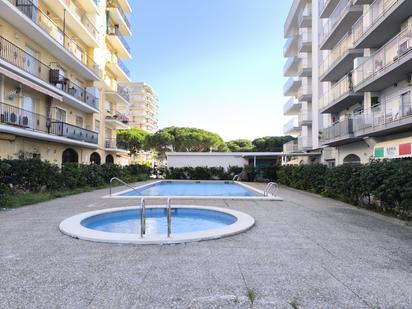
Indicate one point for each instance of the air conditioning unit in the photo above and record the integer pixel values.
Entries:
(56, 76)
(12, 118)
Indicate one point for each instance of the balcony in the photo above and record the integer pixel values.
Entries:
(338, 134)
(393, 115)
(305, 118)
(362, 2)
(291, 147)
(340, 60)
(304, 143)
(116, 145)
(291, 107)
(121, 95)
(340, 97)
(118, 42)
(291, 127)
(118, 120)
(387, 66)
(305, 68)
(76, 20)
(380, 22)
(326, 7)
(305, 20)
(305, 41)
(90, 6)
(291, 45)
(291, 67)
(339, 23)
(291, 87)
(22, 63)
(25, 123)
(305, 93)
(119, 69)
(118, 16)
(37, 25)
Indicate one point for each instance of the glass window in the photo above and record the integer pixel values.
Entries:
(60, 114)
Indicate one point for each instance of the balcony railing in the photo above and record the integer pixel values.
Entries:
(340, 11)
(28, 120)
(291, 125)
(82, 18)
(370, 17)
(291, 147)
(48, 25)
(52, 75)
(116, 144)
(113, 30)
(343, 87)
(336, 54)
(337, 130)
(116, 4)
(304, 116)
(389, 54)
(123, 67)
(389, 111)
(119, 117)
(304, 143)
(123, 92)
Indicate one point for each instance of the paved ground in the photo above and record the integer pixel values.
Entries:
(307, 249)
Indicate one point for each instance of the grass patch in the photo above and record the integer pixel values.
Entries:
(295, 304)
(251, 295)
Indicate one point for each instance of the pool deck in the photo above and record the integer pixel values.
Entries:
(308, 249)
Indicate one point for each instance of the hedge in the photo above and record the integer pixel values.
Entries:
(21, 176)
(385, 186)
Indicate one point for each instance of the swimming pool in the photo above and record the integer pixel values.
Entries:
(188, 223)
(195, 189)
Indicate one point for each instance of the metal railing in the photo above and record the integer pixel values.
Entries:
(113, 30)
(336, 54)
(52, 75)
(272, 188)
(28, 120)
(42, 19)
(340, 11)
(337, 130)
(392, 52)
(123, 92)
(389, 111)
(291, 147)
(123, 67)
(111, 143)
(370, 17)
(343, 87)
(82, 18)
(116, 4)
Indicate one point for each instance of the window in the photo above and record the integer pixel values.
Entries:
(97, 126)
(79, 121)
(60, 114)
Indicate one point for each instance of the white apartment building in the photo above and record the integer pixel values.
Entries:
(361, 83)
(143, 107)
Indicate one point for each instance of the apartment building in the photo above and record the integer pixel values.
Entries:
(60, 65)
(364, 81)
(300, 68)
(143, 108)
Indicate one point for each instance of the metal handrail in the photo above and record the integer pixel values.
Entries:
(275, 189)
(169, 216)
(236, 177)
(268, 186)
(142, 217)
(121, 181)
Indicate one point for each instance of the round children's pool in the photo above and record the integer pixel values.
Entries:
(188, 223)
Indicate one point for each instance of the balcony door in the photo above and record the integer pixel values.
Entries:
(31, 64)
(406, 104)
(28, 118)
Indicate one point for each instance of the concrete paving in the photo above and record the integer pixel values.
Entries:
(307, 251)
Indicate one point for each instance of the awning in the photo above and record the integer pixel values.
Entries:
(394, 149)
(30, 84)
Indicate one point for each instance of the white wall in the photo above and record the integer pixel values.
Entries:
(205, 160)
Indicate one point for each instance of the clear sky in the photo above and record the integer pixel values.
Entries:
(216, 64)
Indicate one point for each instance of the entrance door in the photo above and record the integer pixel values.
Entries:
(28, 118)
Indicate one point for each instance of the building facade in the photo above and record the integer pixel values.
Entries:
(60, 69)
(362, 91)
(143, 108)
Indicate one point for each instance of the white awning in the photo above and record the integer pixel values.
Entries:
(394, 149)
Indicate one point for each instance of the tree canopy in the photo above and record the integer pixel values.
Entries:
(135, 138)
(271, 143)
(240, 145)
(186, 140)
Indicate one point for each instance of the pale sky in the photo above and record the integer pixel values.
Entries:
(215, 64)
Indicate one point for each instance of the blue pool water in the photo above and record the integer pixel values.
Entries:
(184, 220)
(195, 188)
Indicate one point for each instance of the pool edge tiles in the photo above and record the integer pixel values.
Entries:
(260, 194)
(72, 227)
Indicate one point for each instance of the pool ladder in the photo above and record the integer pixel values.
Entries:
(143, 217)
(272, 188)
(122, 182)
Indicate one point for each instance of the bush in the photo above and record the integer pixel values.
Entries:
(381, 185)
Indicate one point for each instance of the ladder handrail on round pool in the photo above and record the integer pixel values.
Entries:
(142, 217)
(272, 188)
(122, 182)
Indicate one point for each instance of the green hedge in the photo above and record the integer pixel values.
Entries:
(385, 186)
(33, 175)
